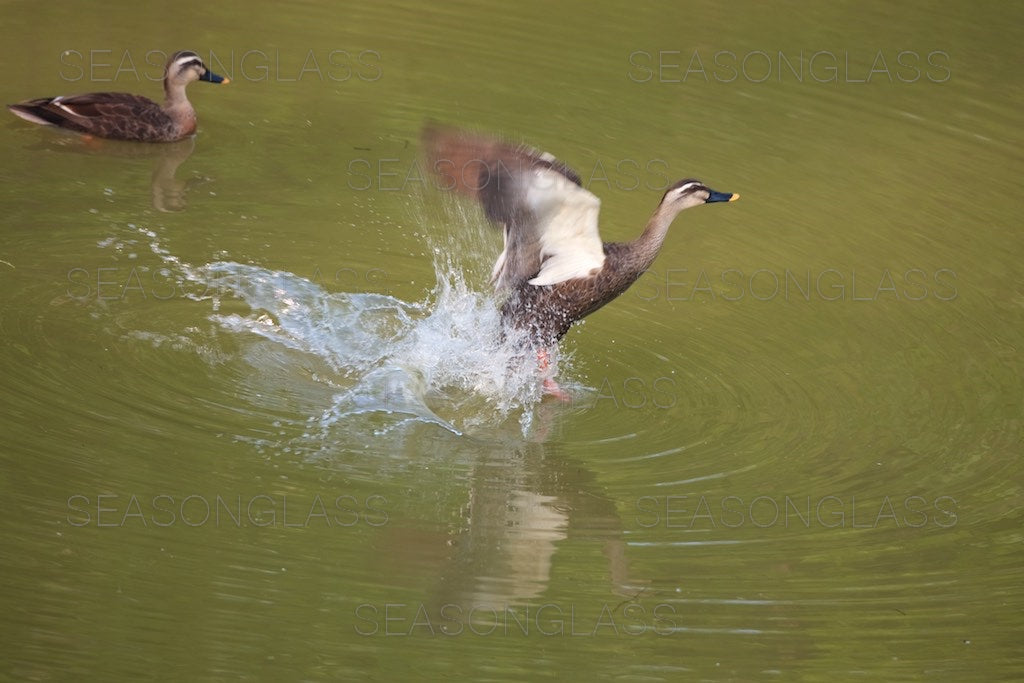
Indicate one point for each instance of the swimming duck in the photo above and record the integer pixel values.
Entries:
(122, 116)
(554, 267)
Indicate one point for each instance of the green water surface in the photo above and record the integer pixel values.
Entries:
(794, 451)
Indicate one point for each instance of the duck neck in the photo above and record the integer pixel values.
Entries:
(174, 96)
(179, 109)
(646, 247)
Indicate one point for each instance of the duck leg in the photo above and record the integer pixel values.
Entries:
(91, 141)
(551, 387)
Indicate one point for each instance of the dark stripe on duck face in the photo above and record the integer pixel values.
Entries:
(178, 56)
(182, 66)
(681, 187)
(685, 181)
(179, 61)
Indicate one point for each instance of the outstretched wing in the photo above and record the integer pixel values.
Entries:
(549, 220)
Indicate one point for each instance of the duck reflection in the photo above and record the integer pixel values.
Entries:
(522, 504)
(525, 500)
(168, 192)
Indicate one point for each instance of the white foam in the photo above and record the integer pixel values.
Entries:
(440, 361)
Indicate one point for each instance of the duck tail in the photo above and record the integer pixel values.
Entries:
(36, 111)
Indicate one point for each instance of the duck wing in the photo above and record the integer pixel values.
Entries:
(548, 219)
(109, 114)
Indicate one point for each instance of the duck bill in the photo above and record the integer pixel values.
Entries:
(211, 77)
(721, 197)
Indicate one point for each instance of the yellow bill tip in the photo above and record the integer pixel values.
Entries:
(734, 197)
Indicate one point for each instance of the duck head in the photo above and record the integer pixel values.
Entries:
(186, 66)
(692, 192)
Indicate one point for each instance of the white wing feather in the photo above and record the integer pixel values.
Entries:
(567, 226)
(500, 263)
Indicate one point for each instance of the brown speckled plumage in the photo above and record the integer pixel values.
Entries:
(547, 312)
(123, 116)
(497, 175)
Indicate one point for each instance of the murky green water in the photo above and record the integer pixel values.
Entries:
(252, 425)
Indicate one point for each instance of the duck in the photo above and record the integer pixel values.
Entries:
(123, 116)
(554, 268)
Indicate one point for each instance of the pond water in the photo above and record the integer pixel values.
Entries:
(257, 421)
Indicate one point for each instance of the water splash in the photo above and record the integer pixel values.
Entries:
(441, 361)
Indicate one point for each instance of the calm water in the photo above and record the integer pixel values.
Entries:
(256, 422)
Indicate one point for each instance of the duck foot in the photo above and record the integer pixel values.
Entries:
(551, 388)
(91, 141)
